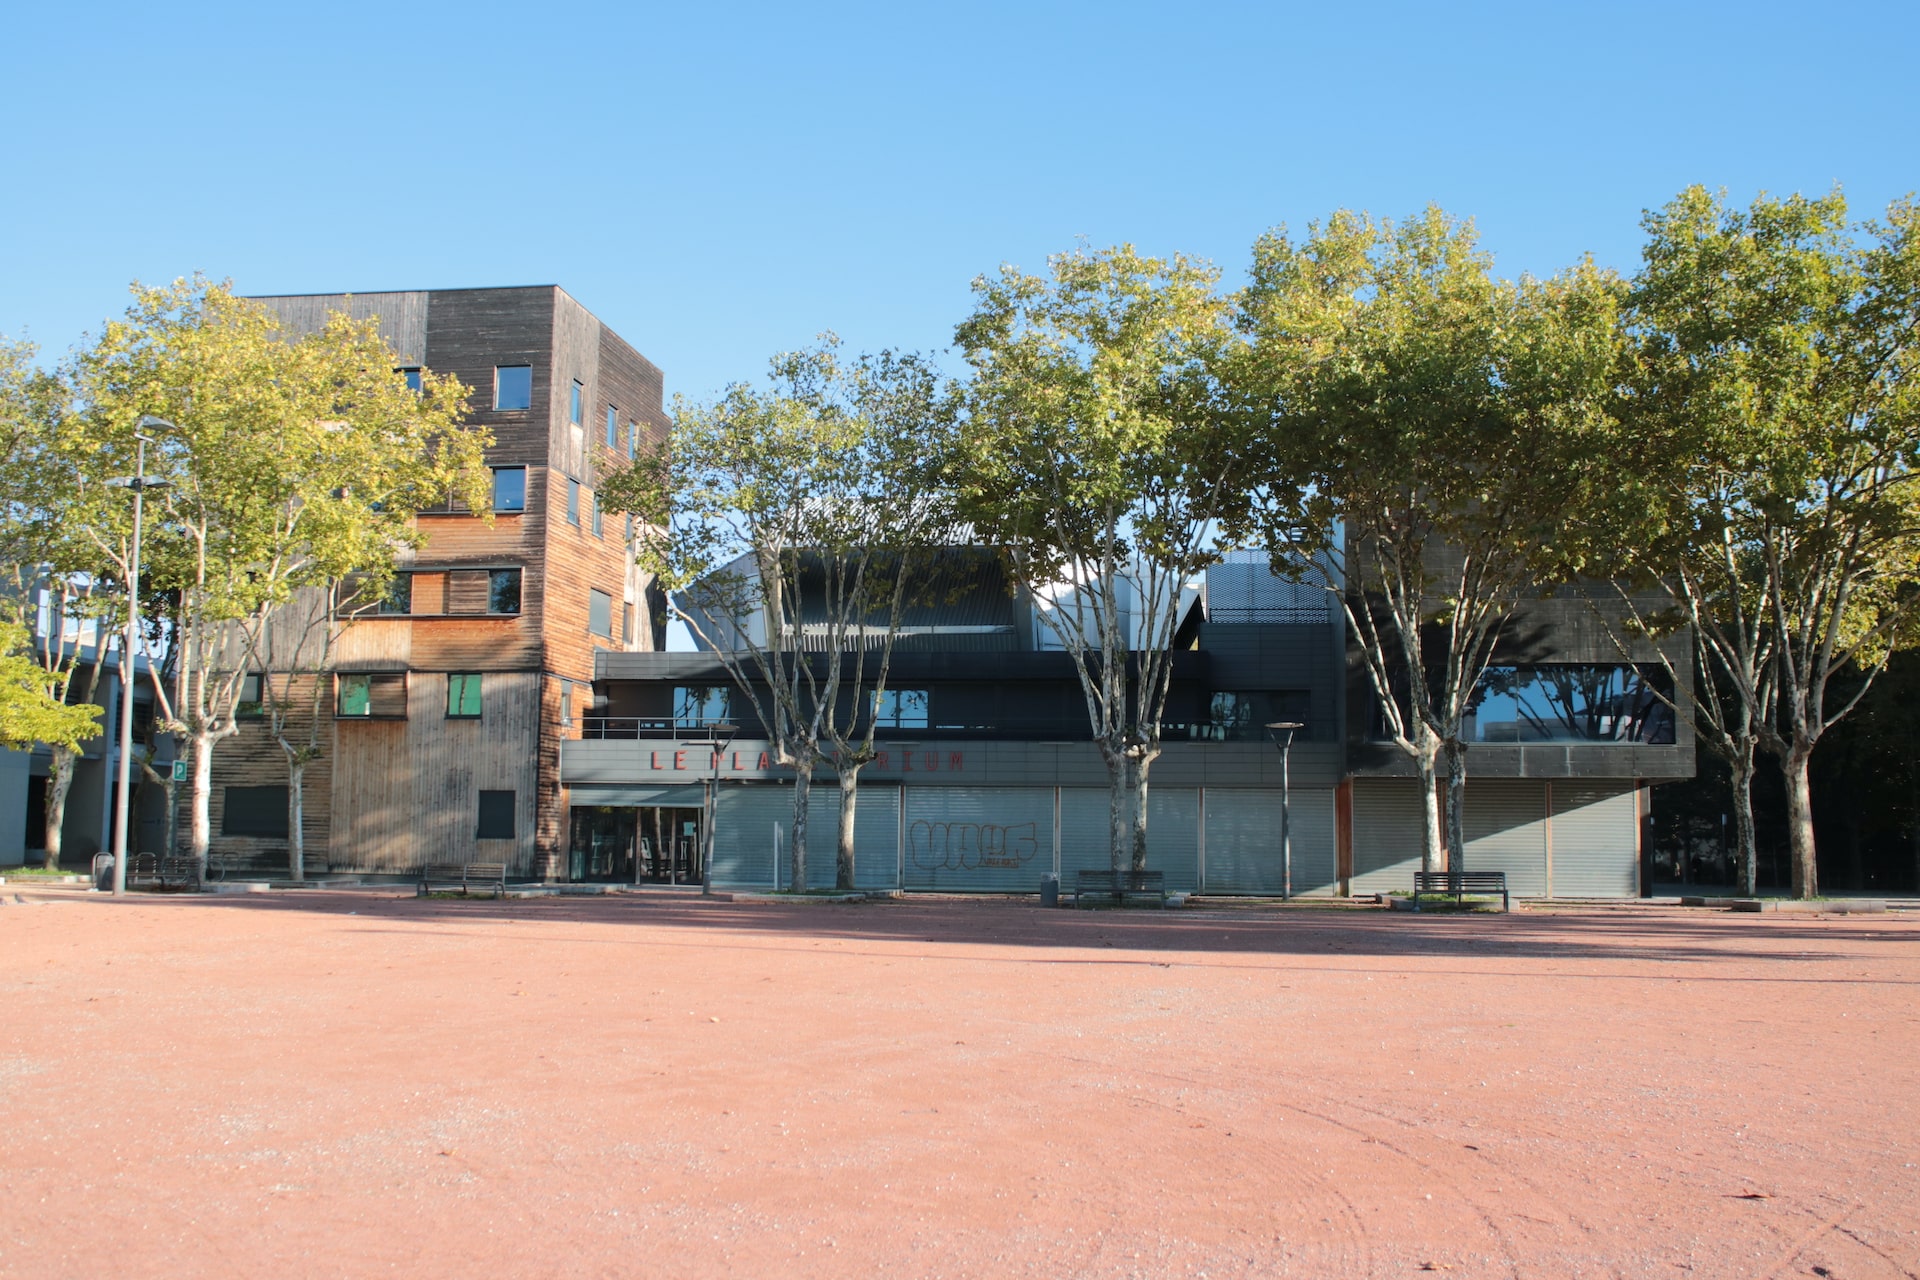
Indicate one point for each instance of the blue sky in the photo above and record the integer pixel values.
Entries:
(721, 182)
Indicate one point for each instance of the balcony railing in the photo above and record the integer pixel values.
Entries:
(636, 728)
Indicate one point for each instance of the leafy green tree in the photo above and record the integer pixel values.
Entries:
(289, 463)
(1096, 455)
(27, 713)
(1429, 432)
(787, 527)
(1778, 345)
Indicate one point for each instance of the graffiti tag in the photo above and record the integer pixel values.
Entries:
(966, 846)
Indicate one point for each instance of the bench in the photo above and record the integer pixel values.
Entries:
(1118, 885)
(1461, 883)
(463, 876)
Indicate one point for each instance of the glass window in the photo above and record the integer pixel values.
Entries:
(513, 386)
(566, 702)
(509, 489)
(496, 816)
(355, 696)
(1567, 703)
(593, 505)
(378, 695)
(254, 811)
(900, 709)
(613, 427)
(573, 502)
(1243, 715)
(633, 441)
(626, 624)
(503, 591)
(463, 695)
(577, 406)
(696, 706)
(600, 613)
(399, 596)
(252, 705)
(412, 375)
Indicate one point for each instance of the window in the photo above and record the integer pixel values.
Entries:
(463, 695)
(600, 613)
(577, 406)
(633, 441)
(509, 489)
(697, 706)
(496, 816)
(629, 526)
(412, 375)
(1243, 716)
(900, 709)
(1567, 703)
(399, 596)
(254, 811)
(573, 502)
(613, 427)
(593, 505)
(626, 624)
(252, 704)
(513, 386)
(503, 591)
(566, 702)
(372, 695)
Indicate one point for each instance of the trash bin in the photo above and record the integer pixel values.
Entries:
(1049, 890)
(103, 872)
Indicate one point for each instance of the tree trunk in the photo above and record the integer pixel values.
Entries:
(1119, 815)
(1433, 852)
(1456, 806)
(1743, 832)
(797, 841)
(201, 834)
(296, 813)
(1137, 837)
(1806, 874)
(849, 802)
(59, 782)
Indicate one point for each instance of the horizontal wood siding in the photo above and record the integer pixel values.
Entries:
(252, 758)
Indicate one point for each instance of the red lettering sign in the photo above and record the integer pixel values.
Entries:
(955, 762)
(763, 759)
(679, 759)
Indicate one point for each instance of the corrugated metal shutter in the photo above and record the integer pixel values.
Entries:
(1386, 834)
(876, 837)
(743, 834)
(979, 839)
(1595, 842)
(1173, 834)
(1243, 841)
(1506, 830)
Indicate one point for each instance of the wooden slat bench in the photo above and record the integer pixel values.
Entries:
(464, 876)
(1458, 884)
(1118, 886)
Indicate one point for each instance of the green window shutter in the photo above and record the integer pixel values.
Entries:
(463, 695)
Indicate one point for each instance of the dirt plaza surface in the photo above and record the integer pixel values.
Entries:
(358, 1083)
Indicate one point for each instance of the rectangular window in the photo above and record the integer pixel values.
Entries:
(613, 427)
(254, 811)
(697, 706)
(900, 709)
(463, 695)
(513, 386)
(509, 489)
(496, 816)
(573, 502)
(577, 406)
(633, 441)
(399, 595)
(626, 624)
(600, 613)
(566, 702)
(1567, 703)
(412, 375)
(593, 505)
(503, 591)
(252, 704)
(372, 695)
(1243, 715)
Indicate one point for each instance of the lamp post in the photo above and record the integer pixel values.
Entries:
(1274, 730)
(139, 484)
(710, 802)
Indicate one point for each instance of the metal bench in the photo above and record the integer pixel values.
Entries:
(1118, 886)
(464, 876)
(1458, 884)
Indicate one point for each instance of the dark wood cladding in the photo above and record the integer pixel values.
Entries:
(470, 331)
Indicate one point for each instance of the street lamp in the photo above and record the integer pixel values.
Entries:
(722, 735)
(1274, 730)
(139, 484)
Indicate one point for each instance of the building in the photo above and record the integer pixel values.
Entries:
(987, 779)
(443, 710)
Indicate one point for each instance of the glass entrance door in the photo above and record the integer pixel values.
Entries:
(645, 845)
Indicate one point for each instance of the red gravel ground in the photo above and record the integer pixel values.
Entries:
(356, 1083)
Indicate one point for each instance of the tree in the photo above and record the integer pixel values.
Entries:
(1429, 431)
(27, 714)
(288, 464)
(787, 527)
(1779, 343)
(1095, 456)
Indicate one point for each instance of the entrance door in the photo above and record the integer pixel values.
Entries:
(602, 847)
(667, 845)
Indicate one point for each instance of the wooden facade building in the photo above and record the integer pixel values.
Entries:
(444, 709)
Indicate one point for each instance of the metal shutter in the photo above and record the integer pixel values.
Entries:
(743, 835)
(1595, 841)
(1386, 834)
(979, 839)
(1506, 830)
(1243, 841)
(1173, 834)
(876, 836)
